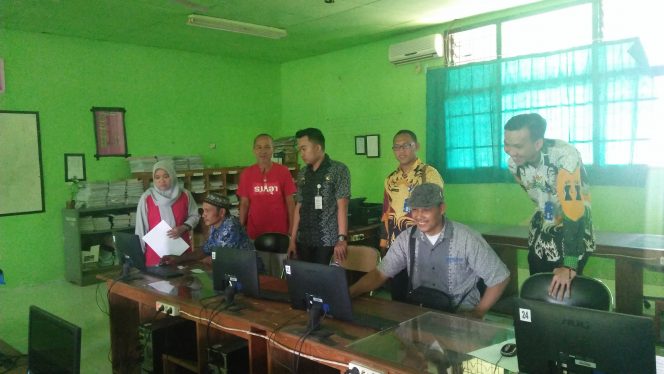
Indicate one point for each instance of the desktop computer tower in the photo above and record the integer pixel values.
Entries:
(173, 336)
(229, 357)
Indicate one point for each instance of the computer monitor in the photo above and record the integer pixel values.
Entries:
(235, 270)
(551, 338)
(131, 255)
(128, 246)
(54, 345)
(320, 289)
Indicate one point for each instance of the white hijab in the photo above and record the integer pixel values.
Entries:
(164, 199)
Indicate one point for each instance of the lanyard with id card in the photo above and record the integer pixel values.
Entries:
(318, 199)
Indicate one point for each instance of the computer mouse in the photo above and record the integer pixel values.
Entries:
(508, 350)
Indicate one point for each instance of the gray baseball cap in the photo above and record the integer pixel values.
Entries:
(426, 195)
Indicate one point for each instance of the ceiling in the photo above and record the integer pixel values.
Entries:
(314, 26)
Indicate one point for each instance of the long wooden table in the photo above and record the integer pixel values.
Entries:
(272, 329)
(631, 253)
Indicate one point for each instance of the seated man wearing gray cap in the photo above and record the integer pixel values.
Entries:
(225, 231)
(449, 260)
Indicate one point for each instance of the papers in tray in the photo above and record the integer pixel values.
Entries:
(158, 239)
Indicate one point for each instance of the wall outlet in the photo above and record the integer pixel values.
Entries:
(170, 309)
(363, 369)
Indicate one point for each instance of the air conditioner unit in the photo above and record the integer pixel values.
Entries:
(416, 49)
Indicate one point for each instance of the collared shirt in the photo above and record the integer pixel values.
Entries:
(319, 227)
(453, 264)
(398, 186)
(230, 234)
(558, 186)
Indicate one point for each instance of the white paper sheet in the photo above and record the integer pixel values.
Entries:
(158, 239)
(162, 286)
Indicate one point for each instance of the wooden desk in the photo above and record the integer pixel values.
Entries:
(271, 328)
(21, 364)
(631, 253)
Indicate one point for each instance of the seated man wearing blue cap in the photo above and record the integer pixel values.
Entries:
(449, 260)
(225, 231)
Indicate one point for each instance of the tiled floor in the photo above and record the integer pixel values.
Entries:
(87, 308)
(83, 306)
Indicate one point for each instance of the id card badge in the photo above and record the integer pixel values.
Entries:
(318, 199)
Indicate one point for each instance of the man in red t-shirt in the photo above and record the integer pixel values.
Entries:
(266, 192)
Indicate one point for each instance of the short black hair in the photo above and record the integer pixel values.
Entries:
(406, 132)
(535, 123)
(262, 135)
(314, 135)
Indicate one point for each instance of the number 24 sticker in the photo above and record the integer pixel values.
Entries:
(524, 315)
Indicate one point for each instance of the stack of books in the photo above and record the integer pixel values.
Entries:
(134, 191)
(117, 192)
(141, 164)
(92, 195)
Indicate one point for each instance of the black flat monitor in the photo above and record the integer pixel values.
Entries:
(320, 289)
(235, 270)
(54, 345)
(554, 338)
(131, 254)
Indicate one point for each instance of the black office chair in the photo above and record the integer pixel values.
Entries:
(273, 249)
(586, 292)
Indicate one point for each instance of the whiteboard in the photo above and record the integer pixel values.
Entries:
(21, 182)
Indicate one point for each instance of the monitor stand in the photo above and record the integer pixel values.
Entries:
(229, 297)
(126, 269)
(315, 312)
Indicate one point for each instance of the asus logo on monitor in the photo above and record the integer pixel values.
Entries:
(576, 323)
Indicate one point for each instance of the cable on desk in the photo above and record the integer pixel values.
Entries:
(283, 347)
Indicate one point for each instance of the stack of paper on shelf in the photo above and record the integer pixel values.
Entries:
(85, 224)
(117, 192)
(141, 164)
(134, 191)
(120, 221)
(195, 162)
(101, 223)
(92, 195)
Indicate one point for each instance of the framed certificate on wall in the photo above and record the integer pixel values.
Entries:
(110, 136)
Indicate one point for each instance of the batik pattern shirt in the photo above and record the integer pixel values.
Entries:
(230, 234)
(558, 186)
(396, 215)
(319, 227)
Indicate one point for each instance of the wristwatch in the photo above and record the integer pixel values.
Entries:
(342, 238)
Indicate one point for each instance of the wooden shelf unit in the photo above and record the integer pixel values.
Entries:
(76, 241)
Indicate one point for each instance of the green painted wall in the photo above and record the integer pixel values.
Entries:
(177, 103)
(357, 92)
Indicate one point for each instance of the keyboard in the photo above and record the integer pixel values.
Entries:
(274, 296)
(163, 271)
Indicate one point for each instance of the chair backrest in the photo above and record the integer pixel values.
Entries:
(361, 258)
(273, 242)
(586, 292)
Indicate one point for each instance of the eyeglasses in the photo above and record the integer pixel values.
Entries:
(405, 146)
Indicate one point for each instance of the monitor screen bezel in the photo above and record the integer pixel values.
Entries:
(611, 340)
(241, 264)
(68, 332)
(329, 283)
(128, 246)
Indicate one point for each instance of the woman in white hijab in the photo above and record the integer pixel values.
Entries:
(165, 201)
